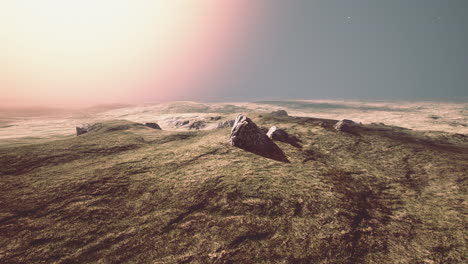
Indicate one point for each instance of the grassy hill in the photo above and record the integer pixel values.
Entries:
(128, 193)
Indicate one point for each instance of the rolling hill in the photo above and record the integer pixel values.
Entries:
(128, 193)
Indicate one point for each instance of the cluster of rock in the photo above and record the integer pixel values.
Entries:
(245, 134)
(205, 122)
(181, 123)
(190, 124)
(86, 128)
(197, 125)
(225, 124)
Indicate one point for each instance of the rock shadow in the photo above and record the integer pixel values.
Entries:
(272, 151)
(293, 141)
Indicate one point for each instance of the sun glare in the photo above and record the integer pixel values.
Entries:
(68, 48)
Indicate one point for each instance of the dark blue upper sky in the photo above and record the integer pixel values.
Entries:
(361, 49)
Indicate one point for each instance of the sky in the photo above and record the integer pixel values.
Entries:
(66, 52)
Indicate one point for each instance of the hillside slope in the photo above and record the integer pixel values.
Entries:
(128, 193)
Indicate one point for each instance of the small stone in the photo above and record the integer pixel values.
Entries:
(278, 134)
(215, 118)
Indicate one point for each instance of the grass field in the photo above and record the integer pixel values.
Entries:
(128, 193)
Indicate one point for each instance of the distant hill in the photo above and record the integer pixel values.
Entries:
(39, 111)
(30, 111)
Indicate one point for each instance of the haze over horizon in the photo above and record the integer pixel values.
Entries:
(132, 52)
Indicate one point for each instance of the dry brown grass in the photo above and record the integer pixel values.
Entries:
(132, 194)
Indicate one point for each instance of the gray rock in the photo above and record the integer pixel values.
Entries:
(197, 125)
(245, 134)
(344, 125)
(179, 123)
(279, 113)
(83, 129)
(277, 134)
(153, 125)
(215, 118)
(225, 124)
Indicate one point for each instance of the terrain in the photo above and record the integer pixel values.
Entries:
(35, 125)
(128, 193)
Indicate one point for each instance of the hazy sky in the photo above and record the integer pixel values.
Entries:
(370, 49)
(135, 51)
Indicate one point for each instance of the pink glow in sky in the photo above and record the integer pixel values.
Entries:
(108, 51)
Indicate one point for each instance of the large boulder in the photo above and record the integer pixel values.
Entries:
(279, 134)
(153, 125)
(245, 134)
(344, 125)
(279, 113)
(225, 124)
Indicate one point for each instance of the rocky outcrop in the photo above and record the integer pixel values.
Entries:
(181, 123)
(245, 134)
(197, 125)
(153, 125)
(279, 113)
(344, 125)
(108, 127)
(225, 124)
